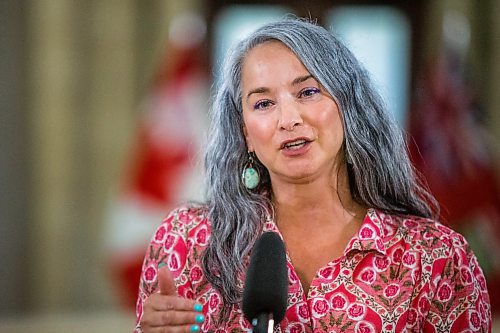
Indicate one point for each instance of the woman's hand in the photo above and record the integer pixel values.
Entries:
(167, 312)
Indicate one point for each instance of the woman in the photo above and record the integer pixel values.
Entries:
(326, 168)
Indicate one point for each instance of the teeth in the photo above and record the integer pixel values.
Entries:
(295, 144)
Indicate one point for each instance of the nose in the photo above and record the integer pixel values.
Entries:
(290, 116)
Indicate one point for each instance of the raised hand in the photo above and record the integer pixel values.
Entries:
(167, 312)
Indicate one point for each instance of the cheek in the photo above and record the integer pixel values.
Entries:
(258, 131)
(330, 120)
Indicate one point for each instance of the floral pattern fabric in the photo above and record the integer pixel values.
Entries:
(396, 275)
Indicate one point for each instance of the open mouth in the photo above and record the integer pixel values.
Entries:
(295, 144)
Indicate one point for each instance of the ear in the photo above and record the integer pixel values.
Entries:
(247, 139)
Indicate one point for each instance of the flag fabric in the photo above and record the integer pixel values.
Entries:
(450, 147)
(164, 167)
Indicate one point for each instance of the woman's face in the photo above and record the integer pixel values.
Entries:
(291, 123)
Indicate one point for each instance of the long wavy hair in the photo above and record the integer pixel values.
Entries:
(379, 170)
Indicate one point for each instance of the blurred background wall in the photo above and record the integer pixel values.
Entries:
(76, 83)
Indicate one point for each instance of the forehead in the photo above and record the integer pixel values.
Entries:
(269, 50)
(271, 60)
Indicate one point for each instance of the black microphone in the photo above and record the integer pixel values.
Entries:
(266, 284)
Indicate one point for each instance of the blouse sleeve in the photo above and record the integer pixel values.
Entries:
(461, 302)
(168, 246)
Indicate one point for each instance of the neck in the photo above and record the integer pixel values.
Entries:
(319, 201)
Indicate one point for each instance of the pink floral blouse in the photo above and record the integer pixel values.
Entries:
(396, 275)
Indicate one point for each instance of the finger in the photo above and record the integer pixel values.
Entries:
(174, 318)
(166, 282)
(165, 303)
(175, 329)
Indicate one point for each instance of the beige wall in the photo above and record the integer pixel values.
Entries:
(89, 64)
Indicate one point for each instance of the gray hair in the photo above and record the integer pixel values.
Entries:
(379, 170)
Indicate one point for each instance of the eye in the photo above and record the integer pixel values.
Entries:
(308, 92)
(263, 104)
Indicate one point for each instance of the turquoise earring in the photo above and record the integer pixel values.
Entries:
(250, 175)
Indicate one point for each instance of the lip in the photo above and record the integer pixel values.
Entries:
(284, 143)
(296, 151)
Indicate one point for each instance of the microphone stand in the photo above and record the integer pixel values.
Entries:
(263, 323)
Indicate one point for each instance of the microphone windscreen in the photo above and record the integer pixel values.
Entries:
(266, 282)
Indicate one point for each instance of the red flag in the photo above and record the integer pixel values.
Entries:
(452, 150)
(165, 166)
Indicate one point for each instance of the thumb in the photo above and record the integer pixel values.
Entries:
(166, 282)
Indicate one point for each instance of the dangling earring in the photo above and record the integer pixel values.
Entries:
(250, 175)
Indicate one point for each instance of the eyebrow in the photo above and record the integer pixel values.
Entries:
(259, 90)
(295, 82)
(301, 79)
